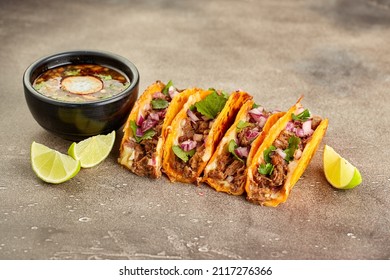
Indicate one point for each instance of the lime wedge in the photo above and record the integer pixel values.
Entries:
(52, 166)
(339, 172)
(93, 150)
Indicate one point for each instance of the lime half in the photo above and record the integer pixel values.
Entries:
(93, 150)
(339, 172)
(52, 166)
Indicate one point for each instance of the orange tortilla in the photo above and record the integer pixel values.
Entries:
(295, 167)
(221, 123)
(222, 149)
(126, 153)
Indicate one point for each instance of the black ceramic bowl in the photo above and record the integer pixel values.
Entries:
(77, 121)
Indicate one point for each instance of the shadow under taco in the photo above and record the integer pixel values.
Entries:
(284, 155)
(227, 168)
(196, 131)
(141, 148)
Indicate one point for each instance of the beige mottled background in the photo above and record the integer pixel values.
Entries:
(336, 53)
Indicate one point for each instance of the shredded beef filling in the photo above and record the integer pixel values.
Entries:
(231, 169)
(266, 185)
(193, 131)
(145, 151)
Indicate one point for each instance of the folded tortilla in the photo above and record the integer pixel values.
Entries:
(192, 138)
(227, 168)
(141, 148)
(284, 155)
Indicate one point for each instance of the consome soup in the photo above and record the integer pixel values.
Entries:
(81, 83)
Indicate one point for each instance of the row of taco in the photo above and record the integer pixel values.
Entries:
(225, 140)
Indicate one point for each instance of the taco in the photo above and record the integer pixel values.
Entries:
(142, 144)
(227, 168)
(284, 155)
(196, 131)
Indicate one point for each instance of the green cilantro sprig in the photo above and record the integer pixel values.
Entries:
(293, 143)
(159, 103)
(211, 105)
(231, 148)
(166, 88)
(267, 168)
(183, 155)
(303, 116)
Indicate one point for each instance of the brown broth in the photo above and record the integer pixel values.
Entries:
(89, 82)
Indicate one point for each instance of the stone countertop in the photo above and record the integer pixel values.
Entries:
(335, 53)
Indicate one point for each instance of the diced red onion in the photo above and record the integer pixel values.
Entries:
(140, 120)
(192, 116)
(148, 124)
(255, 113)
(139, 132)
(290, 126)
(252, 134)
(152, 161)
(188, 145)
(281, 153)
(205, 118)
(161, 113)
(297, 154)
(198, 137)
(262, 120)
(154, 116)
(229, 179)
(158, 95)
(172, 91)
(306, 127)
(299, 132)
(242, 152)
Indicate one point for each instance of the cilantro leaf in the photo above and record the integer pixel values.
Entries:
(242, 124)
(166, 88)
(147, 135)
(212, 105)
(254, 106)
(302, 116)
(183, 155)
(159, 103)
(231, 147)
(267, 152)
(266, 169)
(293, 143)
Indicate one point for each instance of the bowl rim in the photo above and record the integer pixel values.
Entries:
(85, 52)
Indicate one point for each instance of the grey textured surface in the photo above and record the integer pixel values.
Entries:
(336, 53)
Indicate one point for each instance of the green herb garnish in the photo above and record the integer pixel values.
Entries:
(302, 116)
(267, 152)
(266, 169)
(147, 135)
(183, 155)
(231, 147)
(159, 103)
(166, 88)
(104, 77)
(255, 106)
(74, 72)
(242, 124)
(293, 143)
(212, 105)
